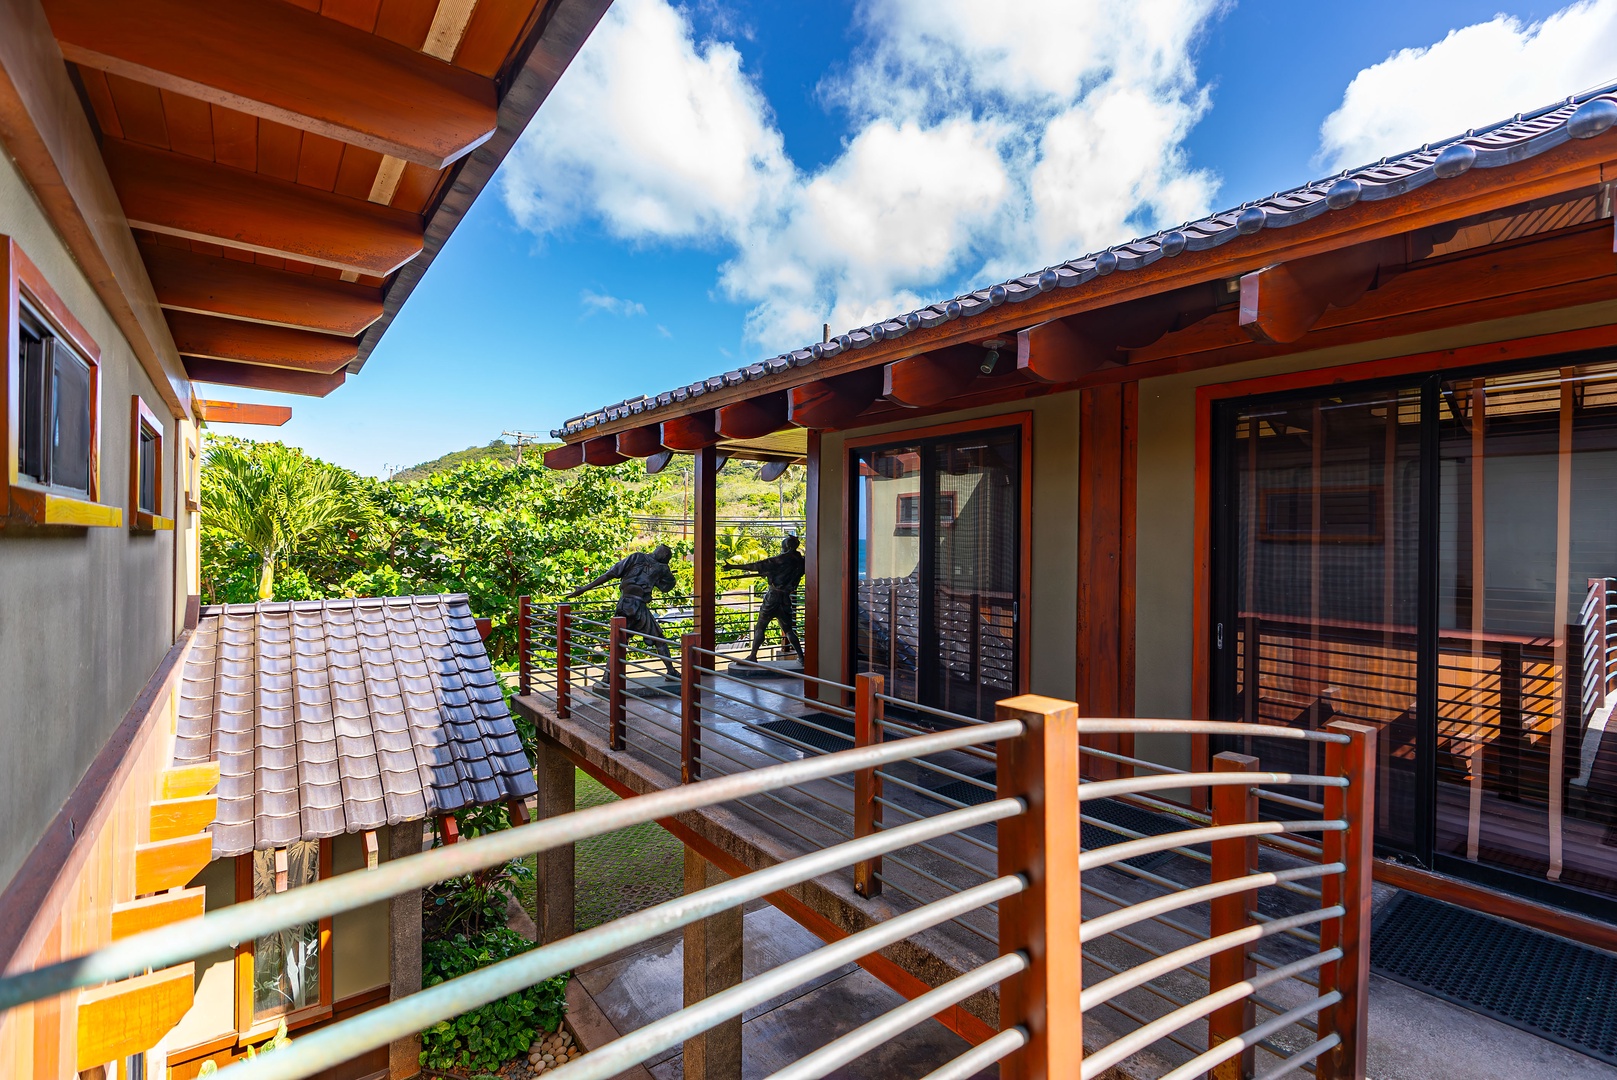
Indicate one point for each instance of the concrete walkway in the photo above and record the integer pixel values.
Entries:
(635, 987)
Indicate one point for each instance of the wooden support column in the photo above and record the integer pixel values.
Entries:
(690, 706)
(811, 567)
(712, 964)
(1232, 859)
(617, 677)
(404, 949)
(524, 671)
(1355, 848)
(1041, 768)
(1106, 498)
(554, 881)
(564, 661)
(704, 557)
(867, 731)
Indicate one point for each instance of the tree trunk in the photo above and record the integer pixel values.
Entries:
(266, 578)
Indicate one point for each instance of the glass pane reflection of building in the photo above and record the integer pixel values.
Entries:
(1320, 568)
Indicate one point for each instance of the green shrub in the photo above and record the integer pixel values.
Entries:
(487, 1037)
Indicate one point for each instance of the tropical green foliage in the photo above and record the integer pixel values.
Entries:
(270, 498)
(279, 524)
(486, 1037)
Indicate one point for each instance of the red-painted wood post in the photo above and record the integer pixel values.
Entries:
(690, 704)
(564, 661)
(1355, 849)
(1232, 858)
(524, 661)
(1041, 768)
(867, 731)
(617, 664)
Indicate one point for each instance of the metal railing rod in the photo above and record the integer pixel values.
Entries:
(889, 778)
(748, 663)
(1231, 1047)
(1144, 910)
(913, 816)
(985, 871)
(1098, 857)
(1156, 953)
(340, 1042)
(1162, 806)
(705, 744)
(1125, 726)
(1089, 790)
(1133, 834)
(1142, 1037)
(891, 724)
(649, 752)
(652, 705)
(1138, 763)
(1275, 1007)
(1302, 1057)
(225, 926)
(1141, 1019)
(981, 1056)
(1289, 800)
(974, 781)
(755, 726)
(867, 1037)
(922, 901)
(929, 710)
(1102, 992)
(1300, 935)
(947, 886)
(1150, 987)
(778, 801)
(634, 1048)
(769, 711)
(835, 710)
(1271, 963)
(1160, 920)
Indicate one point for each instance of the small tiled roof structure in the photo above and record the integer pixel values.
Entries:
(334, 716)
(1524, 136)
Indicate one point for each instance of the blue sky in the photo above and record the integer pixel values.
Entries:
(711, 181)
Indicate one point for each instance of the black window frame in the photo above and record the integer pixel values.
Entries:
(42, 354)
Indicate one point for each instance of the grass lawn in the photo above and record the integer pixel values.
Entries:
(619, 872)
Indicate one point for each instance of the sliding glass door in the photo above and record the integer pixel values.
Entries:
(937, 567)
(1432, 558)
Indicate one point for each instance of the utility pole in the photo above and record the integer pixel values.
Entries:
(523, 438)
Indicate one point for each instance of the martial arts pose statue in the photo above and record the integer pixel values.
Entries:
(783, 572)
(637, 575)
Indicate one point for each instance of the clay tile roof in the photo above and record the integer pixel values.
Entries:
(1524, 136)
(334, 716)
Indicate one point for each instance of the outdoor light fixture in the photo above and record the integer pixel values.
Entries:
(991, 357)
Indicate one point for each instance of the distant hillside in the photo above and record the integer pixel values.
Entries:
(499, 450)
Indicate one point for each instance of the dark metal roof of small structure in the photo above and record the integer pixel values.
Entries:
(334, 716)
(1523, 136)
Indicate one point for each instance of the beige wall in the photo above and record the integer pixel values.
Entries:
(85, 614)
(1052, 660)
(1167, 492)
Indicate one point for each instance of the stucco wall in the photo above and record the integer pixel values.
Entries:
(85, 614)
(1052, 660)
(1167, 491)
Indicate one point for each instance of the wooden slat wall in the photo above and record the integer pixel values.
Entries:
(40, 1040)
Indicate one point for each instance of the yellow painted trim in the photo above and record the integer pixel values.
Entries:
(182, 817)
(132, 1016)
(36, 506)
(144, 522)
(167, 864)
(184, 781)
(148, 913)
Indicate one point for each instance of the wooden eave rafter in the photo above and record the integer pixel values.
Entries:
(1575, 164)
(258, 343)
(258, 377)
(240, 412)
(187, 281)
(284, 63)
(184, 196)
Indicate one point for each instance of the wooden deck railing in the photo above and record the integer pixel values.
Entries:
(1108, 936)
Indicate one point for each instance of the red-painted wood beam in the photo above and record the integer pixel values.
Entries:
(602, 450)
(565, 456)
(835, 402)
(641, 442)
(755, 417)
(690, 432)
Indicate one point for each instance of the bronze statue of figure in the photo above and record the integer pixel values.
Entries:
(638, 574)
(783, 572)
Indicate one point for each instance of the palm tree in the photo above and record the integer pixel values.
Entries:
(270, 498)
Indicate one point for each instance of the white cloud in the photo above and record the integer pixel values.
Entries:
(1475, 76)
(976, 149)
(595, 302)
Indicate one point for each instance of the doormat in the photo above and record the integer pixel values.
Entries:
(1549, 986)
(793, 732)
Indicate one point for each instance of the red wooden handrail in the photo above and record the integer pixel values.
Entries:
(1355, 849)
(564, 661)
